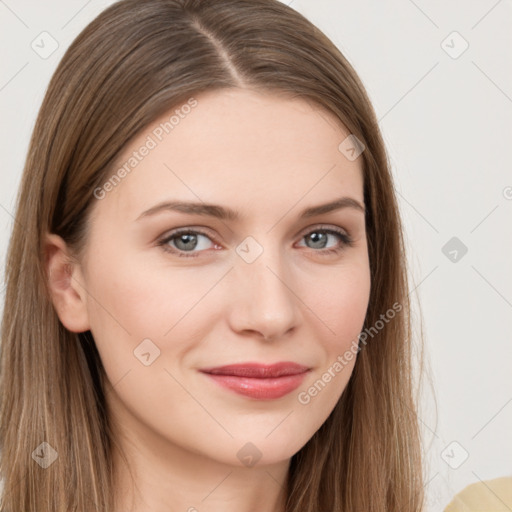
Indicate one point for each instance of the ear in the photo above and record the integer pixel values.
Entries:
(65, 283)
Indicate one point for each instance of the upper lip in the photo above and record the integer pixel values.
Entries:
(258, 370)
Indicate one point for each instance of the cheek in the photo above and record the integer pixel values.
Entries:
(141, 300)
(125, 306)
(341, 305)
(134, 301)
(340, 309)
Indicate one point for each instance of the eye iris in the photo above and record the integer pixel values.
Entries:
(318, 238)
(188, 238)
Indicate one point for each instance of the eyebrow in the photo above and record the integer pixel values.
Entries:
(224, 213)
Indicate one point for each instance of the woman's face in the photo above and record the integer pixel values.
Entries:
(272, 285)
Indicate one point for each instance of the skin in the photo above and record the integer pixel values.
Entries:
(269, 158)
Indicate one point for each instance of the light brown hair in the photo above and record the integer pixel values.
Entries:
(135, 61)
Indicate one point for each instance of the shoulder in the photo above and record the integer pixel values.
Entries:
(485, 496)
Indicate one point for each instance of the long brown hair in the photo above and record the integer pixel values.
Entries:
(135, 61)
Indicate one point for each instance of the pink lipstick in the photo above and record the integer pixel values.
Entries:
(260, 381)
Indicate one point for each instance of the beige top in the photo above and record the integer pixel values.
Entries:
(486, 496)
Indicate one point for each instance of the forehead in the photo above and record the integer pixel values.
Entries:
(257, 152)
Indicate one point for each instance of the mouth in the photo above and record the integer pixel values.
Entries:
(259, 381)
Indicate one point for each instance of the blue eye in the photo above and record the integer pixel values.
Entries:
(185, 241)
(320, 238)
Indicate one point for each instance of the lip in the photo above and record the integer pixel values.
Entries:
(259, 381)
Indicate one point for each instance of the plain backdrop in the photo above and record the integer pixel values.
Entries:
(439, 75)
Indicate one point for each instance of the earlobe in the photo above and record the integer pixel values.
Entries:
(65, 284)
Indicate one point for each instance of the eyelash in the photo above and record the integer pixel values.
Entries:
(346, 241)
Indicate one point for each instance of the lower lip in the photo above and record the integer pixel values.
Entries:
(261, 389)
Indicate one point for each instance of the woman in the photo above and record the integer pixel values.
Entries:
(207, 303)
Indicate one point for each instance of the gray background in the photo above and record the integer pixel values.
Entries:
(445, 113)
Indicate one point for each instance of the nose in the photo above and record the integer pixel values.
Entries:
(263, 297)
